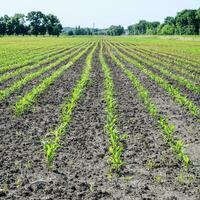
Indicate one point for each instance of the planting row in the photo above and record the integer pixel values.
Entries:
(172, 90)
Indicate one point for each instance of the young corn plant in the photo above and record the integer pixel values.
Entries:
(115, 148)
(178, 148)
(50, 147)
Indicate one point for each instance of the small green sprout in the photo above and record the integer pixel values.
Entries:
(158, 179)
(150, 164)
(50, 146)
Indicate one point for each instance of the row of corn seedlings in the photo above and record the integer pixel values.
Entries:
(4, 93)
(173, 91)
(182, 62)
(34, 57)
(22, 52)
(115, 147)
(29, 99)
(167, 63)
(11, 57)
(172, 53)
(175, 144)
(189, 84)
(45, 60)
(51, 144)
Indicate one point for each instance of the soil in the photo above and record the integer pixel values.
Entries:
(81, 169)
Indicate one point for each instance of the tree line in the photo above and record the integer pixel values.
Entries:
(34, 23)
(112, 30)
(186, 22)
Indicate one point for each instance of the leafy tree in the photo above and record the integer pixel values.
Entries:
(2, 26)
(152, 28)
(79, 31)
(37, 22)
(19, 23)
(198, 20)
(168, 29)
(88, 31)
(141, 27)
(187, 22)
(53, 25)
(115, 30)
(70, 33)
(9, 25)
(170, 20)
(82, 31)
(57, 29)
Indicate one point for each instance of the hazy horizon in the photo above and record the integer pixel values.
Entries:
(101, 13)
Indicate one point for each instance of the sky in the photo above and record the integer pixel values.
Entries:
(101, 13)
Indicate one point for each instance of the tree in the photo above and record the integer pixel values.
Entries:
(186, 22)
(2, 26)
(70, 33)
(53, 25)
(19, 22)
(168, 29)
(37, 22)
(80, 31)
(140, 28)
(57, 29)
(152, 28)
(198, 19)
(170, 20)
(131, 30)
(115, 30)
(9, 25)
(88, 31)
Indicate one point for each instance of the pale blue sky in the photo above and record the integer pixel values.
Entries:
(102, 12)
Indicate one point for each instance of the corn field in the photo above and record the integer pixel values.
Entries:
(99, 118)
